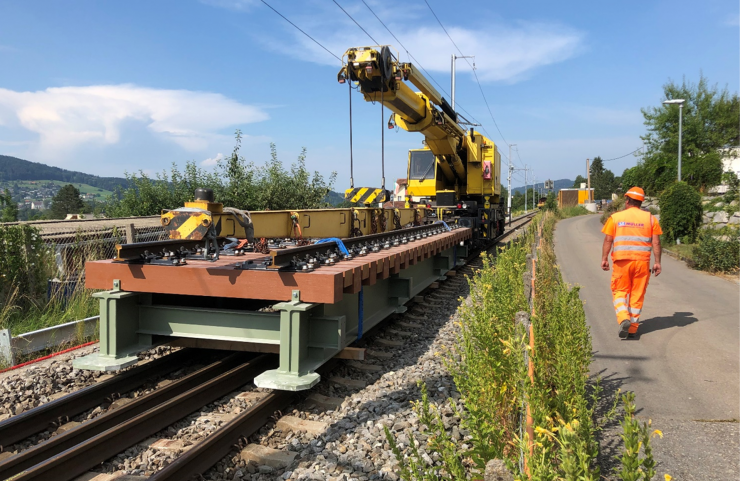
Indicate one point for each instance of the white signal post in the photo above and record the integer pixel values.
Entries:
(511, 169)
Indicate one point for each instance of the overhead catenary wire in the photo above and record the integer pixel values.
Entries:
(356, 22)
(300, 30)
(490, 112)
(623, 156)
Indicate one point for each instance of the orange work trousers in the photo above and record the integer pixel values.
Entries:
(629, 283)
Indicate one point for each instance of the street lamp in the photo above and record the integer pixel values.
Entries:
(680, 128)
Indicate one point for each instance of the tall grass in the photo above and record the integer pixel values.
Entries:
(489, 369)
(27, 264)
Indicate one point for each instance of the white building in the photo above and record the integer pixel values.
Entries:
(730, 163)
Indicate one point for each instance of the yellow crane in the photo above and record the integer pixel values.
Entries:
(458, 171)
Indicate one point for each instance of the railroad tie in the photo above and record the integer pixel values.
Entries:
(400, 333)
(296, 424)
(265, 456)
(363, 366)
(324, 402)
(388, 342)
(347, 382)
(408, 325)
(379, 354)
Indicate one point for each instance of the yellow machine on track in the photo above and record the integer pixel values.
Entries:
(458, 171)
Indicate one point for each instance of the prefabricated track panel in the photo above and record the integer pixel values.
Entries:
(221, 279)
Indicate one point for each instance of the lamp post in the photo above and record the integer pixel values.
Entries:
(680, 103)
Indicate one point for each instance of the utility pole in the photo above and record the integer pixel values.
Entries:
(452, 94)
(511, 169)
(588, 176)
(525, 188)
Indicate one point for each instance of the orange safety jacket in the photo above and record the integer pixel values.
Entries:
(633, 234)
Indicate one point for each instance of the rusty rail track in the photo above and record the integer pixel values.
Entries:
(38, 419)
(135, 424)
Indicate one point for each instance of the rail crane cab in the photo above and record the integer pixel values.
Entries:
(459, 171)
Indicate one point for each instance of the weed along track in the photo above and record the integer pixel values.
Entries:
(190, 424)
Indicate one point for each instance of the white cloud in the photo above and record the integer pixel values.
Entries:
(68, 117)
(504, 51)
(211, 161)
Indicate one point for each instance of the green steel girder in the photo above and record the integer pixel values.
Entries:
(308, 334)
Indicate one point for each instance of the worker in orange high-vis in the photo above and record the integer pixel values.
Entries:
(632, 233)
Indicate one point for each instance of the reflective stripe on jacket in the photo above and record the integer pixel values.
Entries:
(633, 236)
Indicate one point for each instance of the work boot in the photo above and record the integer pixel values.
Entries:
(624, 329)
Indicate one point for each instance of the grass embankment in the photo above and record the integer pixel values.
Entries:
(490, 370)
(27, 302)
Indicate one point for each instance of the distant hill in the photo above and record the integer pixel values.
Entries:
(13, 168)
(334, 198)
(559, 184)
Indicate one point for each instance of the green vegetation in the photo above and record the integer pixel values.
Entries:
(67, 201)
(9, 208)
(235, 182)
(716, 255)
(26, 264)
(83, 188)
(615, 206)
(602, 180)
(681, 213)
(15, 169)
(710, 130)
(490, 372)
(572, 211)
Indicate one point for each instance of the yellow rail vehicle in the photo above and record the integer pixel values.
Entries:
(458, 171)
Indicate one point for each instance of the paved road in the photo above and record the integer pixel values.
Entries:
(685, 366)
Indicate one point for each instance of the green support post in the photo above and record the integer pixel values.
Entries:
(119, 339)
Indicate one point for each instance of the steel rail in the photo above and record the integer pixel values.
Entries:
(38, 419)
(57, 444)
(134, 252)
(208, 452)
(283, 258)
(77, 460)
(201, 457)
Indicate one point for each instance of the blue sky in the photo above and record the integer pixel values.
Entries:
(108, 87)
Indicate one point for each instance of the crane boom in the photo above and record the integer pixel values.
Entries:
(455, 164)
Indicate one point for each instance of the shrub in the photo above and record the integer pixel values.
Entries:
(572, 211)
(25, 262)
(680, 212)
(551, 203)
(615, 206)
(714, 254)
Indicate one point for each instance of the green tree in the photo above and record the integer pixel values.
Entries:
(67, 201)
(633, 177)
(551, 203)
(235, 182)
(602, 180)
(680, 212)
(710, 129)
(579, 180)
(10, 208)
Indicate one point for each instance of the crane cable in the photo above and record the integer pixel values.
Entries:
(351, 158)
(382, 136)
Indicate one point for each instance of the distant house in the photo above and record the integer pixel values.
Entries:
(37, 205)
(730, 163)
(399, 193)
